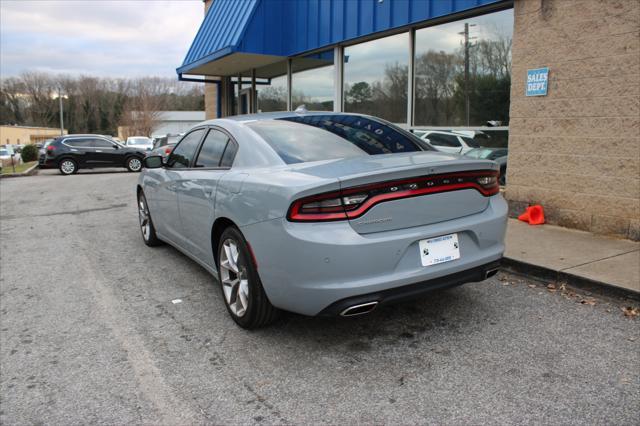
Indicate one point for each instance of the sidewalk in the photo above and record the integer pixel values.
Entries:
(579, 258)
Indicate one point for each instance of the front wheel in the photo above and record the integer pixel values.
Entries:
(134, 164)
(243, 294)
(146, 224)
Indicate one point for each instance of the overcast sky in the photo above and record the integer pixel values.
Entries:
(95, 37)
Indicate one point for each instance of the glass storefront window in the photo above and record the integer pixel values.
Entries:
(312, 81)
(444, 94)
(273, 97)
(376, 77)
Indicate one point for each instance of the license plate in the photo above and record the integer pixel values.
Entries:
(439, 250)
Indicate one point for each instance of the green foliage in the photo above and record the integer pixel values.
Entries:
(29, 153)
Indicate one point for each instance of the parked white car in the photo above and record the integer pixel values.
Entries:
(7, 153)
(142, 143)
(451, 142)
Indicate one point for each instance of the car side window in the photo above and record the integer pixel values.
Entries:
(437, 139)
(212, 149)
(185, 150)
(100, 143)
(229, 154)
(78, 143)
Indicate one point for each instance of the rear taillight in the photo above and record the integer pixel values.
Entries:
(51, 148)
(351, 203)
(167, 150)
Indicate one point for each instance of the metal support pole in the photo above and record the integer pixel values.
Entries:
(254, 97)
(338, 79)
(61, 113)
(410, 78)
(466, 72)
(289, 85)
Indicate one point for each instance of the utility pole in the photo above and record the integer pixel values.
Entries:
(467, 46)
(61, 113)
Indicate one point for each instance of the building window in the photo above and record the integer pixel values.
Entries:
(447, 96)
(376, 77)
(312, 81)
(273, 96)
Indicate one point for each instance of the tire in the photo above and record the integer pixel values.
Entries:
(134, 164)
(252, 310)
(68, 167)
(146, 224)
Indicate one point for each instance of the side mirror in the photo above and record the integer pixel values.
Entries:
(153, 162)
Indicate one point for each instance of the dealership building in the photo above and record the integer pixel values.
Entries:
(557, 81)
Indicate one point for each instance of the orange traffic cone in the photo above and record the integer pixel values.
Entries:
(534, 215)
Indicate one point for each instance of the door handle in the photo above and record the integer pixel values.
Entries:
(98, 150)
(208, 191)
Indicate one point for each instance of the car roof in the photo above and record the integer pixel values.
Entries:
(83, 135)
(279, 114)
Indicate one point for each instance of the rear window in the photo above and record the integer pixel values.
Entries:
(138, 141)
(326, 137)
(471, 142)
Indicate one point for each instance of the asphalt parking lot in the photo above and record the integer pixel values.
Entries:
(90, 334)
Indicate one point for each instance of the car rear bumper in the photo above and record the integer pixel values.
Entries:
(46, 163)
(411, 291)
(309, 267)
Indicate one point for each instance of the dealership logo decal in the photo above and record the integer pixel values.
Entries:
(537, 81)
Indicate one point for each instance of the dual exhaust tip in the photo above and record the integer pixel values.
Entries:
(361, 309)
(365, 308)
(490, 273)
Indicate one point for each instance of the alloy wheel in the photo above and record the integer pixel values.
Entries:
(68, 167)
(234, 277)
(143, 215)
(135, 164)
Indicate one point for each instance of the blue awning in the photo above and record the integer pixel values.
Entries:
(238, 35)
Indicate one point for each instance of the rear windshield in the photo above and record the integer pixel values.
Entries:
(326, 137)
(138, 141)
(471, 142)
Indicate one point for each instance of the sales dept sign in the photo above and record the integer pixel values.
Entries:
(537, 80)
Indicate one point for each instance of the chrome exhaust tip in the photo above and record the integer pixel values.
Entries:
(490, 273)
(361, 309)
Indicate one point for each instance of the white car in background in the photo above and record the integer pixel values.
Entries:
(451, 142)
(142, 143)
(6, 152)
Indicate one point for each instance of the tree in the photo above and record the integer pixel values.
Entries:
(359, 93)
(91, 104)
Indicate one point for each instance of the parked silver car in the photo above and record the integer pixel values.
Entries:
(321, 213)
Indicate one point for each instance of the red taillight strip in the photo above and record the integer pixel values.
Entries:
(296, 215)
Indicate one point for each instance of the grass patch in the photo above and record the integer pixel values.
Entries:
(7, 170)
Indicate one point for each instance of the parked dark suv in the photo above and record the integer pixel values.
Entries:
(72, 152)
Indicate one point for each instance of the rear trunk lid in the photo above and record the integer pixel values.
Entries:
(377, 176)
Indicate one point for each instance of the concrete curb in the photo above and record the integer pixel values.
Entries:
(29, 172)
(586, 284)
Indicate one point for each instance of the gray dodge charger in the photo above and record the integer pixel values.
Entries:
(322, 213)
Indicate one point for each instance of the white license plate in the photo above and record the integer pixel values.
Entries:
(439, 250)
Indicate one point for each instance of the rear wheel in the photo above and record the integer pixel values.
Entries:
(243, 294)
(146, 224)
(68, 167)
(134, 164)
